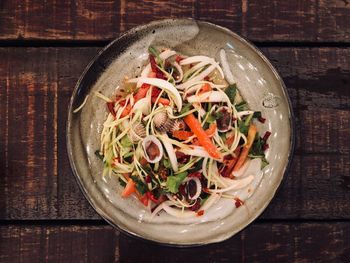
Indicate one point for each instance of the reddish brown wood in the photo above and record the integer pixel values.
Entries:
(264, 20)
(277, 242)
(36, 180)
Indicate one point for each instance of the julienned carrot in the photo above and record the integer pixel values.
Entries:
(245, 151)
(129, 188)
(203, 138)
(211, 130)
(182, 135)
(163, 101)
(126, 111)
(142, 92)
(205, 88)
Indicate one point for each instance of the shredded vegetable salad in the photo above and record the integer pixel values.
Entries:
(179, 137)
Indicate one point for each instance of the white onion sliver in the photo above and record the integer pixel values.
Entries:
(171, 154)
(196, 151)
(211, 96)
(143, 105)
(242, 170)
(167, 86)
(144, 74)
(243, 113)
(199, 77)
(167, 54)
(235, 184)
(226, 67)
(181, 73)
(198, 186)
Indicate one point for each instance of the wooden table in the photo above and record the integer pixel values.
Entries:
(44, 47)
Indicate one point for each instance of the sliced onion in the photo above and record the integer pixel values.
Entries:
(171, 153)
(196, 59)
(253, 167)
(199, 77)
(226, 67)
(196, 151)
(163, 84)
(243, 113)
(195, 86)
(152, 138)
(144, 105)
(235, 184)
(179, 69)
(242, 170)
(211, 96)
(144, 74)
(167, 54)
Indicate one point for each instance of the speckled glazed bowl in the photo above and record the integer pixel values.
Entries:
(259, 84)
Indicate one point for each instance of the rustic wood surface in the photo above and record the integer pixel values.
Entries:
(44, 47)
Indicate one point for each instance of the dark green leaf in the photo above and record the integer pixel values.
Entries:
(173, 182)
(140, 186)
(231, 92)
(122, 183)
(257, 114)
(243, 128)
(241, 106)
(185, 108)
(197, 167)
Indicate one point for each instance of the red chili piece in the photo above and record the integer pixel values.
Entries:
(266, 136)
(238, 202)
(261, 119)
(110, 106)
(200, 213)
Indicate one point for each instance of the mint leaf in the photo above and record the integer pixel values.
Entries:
(231, 91)
(173, 182)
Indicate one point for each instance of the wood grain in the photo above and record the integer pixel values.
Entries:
(279, 242)
(36, 180)
(283, 21)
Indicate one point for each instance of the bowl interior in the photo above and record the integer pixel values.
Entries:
(257, 81)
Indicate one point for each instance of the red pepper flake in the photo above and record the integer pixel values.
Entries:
(195, 174)
(266, 136)
(261, 119)
(205, 190)
(238, 202)
(200, 213)
(151, 196)
(148, 179)
(122, 102)
(110, 106)
(159, 74)
(265, 147)
(178, 59)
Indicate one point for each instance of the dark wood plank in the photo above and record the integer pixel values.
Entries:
(315, 21)
(277, 242)
(37, 183)
(58, 244)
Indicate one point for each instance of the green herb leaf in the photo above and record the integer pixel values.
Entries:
(231, 91)
(166, 163)
(243, 128)
(140, 186)
(122, 183)
(125, 141)
(257, 114)
(198, 166)
(241, 106)
(185, 108)
(214, 116)
(173, 182)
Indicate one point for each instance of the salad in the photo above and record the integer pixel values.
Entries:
(179, 136)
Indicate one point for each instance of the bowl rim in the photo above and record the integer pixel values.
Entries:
(95, 60)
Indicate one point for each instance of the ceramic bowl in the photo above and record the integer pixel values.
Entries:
(260, 85)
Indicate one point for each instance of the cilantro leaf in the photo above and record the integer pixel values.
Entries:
(140, 186)
(231, 92)
(241, 106)
(173, 182)
(243, 127)
(185, 108)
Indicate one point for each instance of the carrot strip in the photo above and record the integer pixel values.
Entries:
(182, 135)
(212, 129)
(203, 138)
(129, 188)
(126, 111)
(205, 88)
(245, 151)
(163, 101)
(142, 92)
